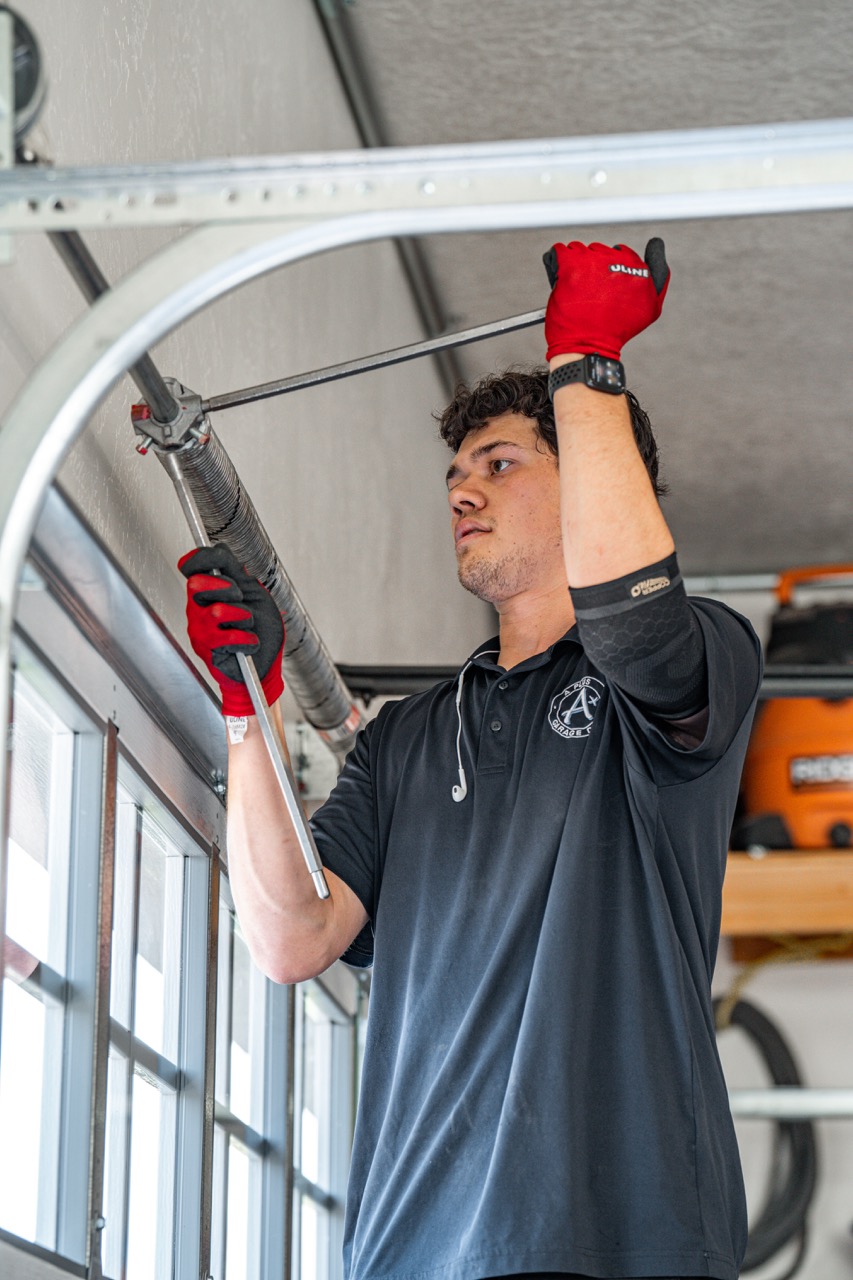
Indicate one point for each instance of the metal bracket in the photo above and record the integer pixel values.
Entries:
(188, 422)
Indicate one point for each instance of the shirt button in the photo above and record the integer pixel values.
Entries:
(495, 726)
(503, 685)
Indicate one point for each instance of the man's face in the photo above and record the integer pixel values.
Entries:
(504, 494)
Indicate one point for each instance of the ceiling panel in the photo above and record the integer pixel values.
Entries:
(483, 70)
(747, 375)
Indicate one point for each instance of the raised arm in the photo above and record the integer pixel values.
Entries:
(291, 933)
(632, 612)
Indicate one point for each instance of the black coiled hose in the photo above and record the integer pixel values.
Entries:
(794, 1174)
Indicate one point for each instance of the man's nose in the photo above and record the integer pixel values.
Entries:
(465, 496)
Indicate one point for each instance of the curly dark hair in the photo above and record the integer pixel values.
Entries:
(525, 391)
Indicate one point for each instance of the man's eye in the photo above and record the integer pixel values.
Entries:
(498, 464)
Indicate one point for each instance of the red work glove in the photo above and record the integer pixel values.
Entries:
(602, 296)
(229, 614)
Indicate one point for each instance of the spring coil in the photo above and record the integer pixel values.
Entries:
(229, 515)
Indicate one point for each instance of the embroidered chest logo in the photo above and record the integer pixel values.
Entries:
(572, 712)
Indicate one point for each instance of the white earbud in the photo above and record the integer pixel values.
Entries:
(460, 792)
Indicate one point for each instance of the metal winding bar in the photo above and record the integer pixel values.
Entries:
(397, 355)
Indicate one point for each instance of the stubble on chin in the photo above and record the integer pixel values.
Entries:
(496, 580)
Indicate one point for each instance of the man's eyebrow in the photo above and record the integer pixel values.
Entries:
(483, 451)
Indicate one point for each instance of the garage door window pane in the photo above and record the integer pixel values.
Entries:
(41, 787)
(21, 1089)
(152, 1158)
(118, 1116)
(39, 827)
(158, 949)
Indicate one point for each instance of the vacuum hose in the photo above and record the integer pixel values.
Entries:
(229, 515)
(795, 1156)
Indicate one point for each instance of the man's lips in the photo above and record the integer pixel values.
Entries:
(468, 529)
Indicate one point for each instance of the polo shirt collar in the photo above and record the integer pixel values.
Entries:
(485, 655)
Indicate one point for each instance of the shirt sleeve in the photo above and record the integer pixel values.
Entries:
(642, 634)
(346, 834)
(734, 671)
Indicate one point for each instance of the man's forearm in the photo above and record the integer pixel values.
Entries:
(612, 521)
(291, 933)
(641, 634)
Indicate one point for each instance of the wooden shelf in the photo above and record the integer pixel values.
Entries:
(807, 892)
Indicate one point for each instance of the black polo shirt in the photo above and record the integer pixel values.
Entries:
(541, 1087)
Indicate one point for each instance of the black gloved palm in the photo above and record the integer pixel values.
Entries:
(230, 614)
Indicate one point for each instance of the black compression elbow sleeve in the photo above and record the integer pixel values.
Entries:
(641, 633)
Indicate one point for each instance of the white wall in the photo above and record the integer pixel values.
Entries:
(812, 1006)
(348, 478)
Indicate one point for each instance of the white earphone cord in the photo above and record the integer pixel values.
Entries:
(460, 791)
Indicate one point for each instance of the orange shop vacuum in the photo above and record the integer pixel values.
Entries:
(797, 790)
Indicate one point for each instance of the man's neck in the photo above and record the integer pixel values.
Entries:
(531, 622)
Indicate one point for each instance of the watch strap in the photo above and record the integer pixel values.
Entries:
(582, 371)
(565, 374)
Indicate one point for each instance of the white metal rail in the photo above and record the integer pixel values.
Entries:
(784, 1103)
(690, 173)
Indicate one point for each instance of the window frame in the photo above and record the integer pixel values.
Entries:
(70, 997)
(83, 624)
(337, 995)
(272, 1142)
(55, 633)
(183, 1082)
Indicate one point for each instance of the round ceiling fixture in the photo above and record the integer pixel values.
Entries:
(29, 78)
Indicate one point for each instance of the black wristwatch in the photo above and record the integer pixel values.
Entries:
(596, 371)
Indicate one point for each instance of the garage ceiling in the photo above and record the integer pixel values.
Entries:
(747, 376)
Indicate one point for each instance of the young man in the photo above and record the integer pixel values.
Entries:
(533, 853)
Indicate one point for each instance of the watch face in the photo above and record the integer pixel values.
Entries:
(606, 373)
